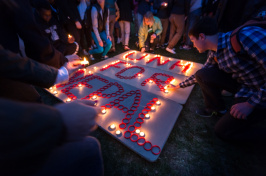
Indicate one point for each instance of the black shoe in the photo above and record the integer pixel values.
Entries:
(104, 57)
(209, 113)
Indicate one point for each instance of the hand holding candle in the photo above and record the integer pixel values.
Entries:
(70, 38)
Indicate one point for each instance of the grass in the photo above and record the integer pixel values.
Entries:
(192, 147)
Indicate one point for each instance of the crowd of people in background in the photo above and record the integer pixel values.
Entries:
(44, 140)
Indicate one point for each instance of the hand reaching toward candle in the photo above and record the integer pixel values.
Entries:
(73, 66)
(79, 118)
(70, 39)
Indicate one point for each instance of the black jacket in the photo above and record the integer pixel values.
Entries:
(163, 12)
(125, 8)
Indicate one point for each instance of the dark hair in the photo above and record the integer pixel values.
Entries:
(42, 4)
(148, 15)
(205, 25)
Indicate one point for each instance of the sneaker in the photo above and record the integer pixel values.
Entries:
(104, 57)
(91, 57)
(170, 50)
(185, 47)
(209, 113)
(226, 93)
(112, 50)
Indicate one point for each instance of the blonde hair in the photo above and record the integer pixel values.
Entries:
(148, 15)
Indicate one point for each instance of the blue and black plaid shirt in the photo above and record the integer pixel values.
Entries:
(250, 72)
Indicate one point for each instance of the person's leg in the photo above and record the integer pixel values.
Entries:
(122, 27)
(242, 131)
(111, 27)
(107, 41)
(212, 81)
(172, 27)
(136, 25)
(154, 44)
(97, 50)
(74, 158)
(179, 23)
(127, 32)
(165, 23)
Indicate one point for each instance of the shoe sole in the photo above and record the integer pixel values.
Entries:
(206, 116)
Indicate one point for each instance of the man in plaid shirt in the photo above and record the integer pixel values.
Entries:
(243, 74)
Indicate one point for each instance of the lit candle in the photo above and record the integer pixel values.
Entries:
(55, 92)
(117, 132)
(68, 100)
(51, 88)
(69, 36)
(173, 81)
(141, 134)
(103, 111)
(166, 91)
(90, 72)
(158, 102)
(165, 4)
(150, 81)
(147, 115)
(153, 108)
(84, 62)
(137, 130)
(112, 126)
(95, 68)
(94, 97)
(80, 85)
(139, 75)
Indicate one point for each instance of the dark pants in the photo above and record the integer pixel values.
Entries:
(212, 81)
(74, 158)
(66, 49)
(149, 45)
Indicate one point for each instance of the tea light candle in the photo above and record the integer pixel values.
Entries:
(69, 36)
(150, 81)
(173, 81)
(51, 88)
(103, 111)
(94, 97)
(90, 72)
(153, 108)
(165, 4)
(112, 126)
(139, 75)
(95, 68)
(68, 100)
(55, 92)
(80, 85)
(84, 62)
(141, 134)
(118, 132)
(147, 115)
(137, 131)
(166, 91)
(158, 102)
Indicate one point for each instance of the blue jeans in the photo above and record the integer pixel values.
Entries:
(99, 49)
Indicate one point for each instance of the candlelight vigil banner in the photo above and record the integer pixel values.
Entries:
(131, 88)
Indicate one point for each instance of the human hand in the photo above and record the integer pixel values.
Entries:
(72, 57)
(241, 110)
(72, 66)
(70, 39)
(117, 14)
(101, 43)
(78, 25)
(142, 50)
(109, 37)
(79, 118)
(153, 36)
(172, 87)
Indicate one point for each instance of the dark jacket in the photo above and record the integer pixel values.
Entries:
(178, 7)
(163, 12)
(16, 18)
(144, 6)
(29, 133)
(125, 8)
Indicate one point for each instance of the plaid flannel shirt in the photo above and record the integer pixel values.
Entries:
(249, 72)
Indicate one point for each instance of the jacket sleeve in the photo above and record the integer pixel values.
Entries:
(159, 27)
(141, 36)
(26, 70)
(28, 130)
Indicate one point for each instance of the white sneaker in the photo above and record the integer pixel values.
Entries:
(170, 50)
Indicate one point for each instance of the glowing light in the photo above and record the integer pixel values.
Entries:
(103, 111)
(153, 108)
(147, 115)
(90, 72)
(166, 91)
(139, 75)
(158, 102)
(118, 132)
(84, 62)
(51, 88)
(68, 100)
(172, 82)
(112, 126)
(69, 36)
(95, 68)
(94, 97)
(142, 134)
(80, 85)
(150, 81)
(55, 92)
(137, 131)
